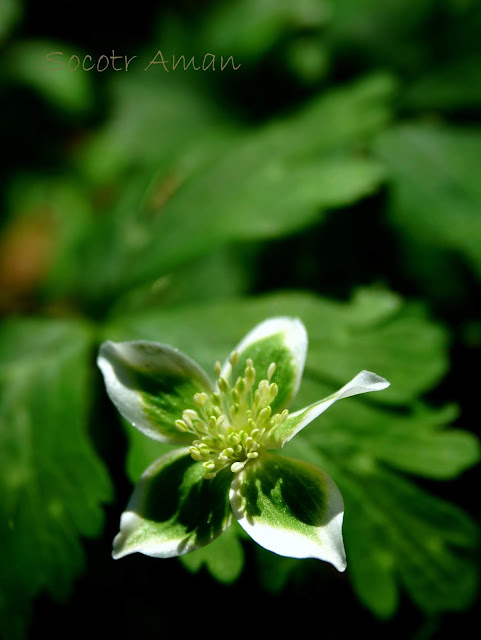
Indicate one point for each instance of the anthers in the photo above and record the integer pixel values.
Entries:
(233, 423)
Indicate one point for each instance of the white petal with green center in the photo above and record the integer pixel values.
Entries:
(174, 509)
(362, 383)
(291, 508)
(151, 385)
(282, 341)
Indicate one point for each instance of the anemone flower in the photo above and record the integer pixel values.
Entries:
(223, 469)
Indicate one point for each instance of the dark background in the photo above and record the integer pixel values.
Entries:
(141, 596)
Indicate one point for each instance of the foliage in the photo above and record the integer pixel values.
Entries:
(53, 484)
(332, 177)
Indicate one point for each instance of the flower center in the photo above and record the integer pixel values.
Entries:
(231, 424)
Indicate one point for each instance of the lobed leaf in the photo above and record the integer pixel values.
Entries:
(435, 193)
(258, 184)
(52, 483)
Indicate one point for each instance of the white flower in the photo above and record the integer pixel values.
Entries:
(188, 497)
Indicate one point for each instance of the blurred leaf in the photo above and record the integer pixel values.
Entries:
(70, 91)
(309, 58)
(224, 273)
(450, 77)
(26, 248)
(142, 449)
(248, 28)
(52, 483)
(435, 190)
(10, 12)
(383, 34)
(276, 571)
(454, 85)
(62, 208)
(269, 183)
(461, 5)
(403, 529)
(224, 558)
(152, 124)
(413, 441)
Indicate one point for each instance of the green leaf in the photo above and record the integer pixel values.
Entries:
(151, 384)
(428, 543)
(274, 572)
(248, 28)
(224, 273)
(144, 111)
(371, 567)
(454, 85)
(289, 171)
(291, 508)
(68, 90)
(385, 34)
(361, 437)
(224, 558)
(414, 441)
(308, 58)
(142, 451)
(435, 191)
(61, 210)
(10, 12)
(449, 77)
(52, 483)
(174, 509)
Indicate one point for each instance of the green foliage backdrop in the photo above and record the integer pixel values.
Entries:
(332, 176)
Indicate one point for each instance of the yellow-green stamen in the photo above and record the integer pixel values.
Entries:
(233, 423)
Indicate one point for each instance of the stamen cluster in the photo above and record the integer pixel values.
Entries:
(231, 424)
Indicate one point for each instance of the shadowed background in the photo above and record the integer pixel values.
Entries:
(333, 175)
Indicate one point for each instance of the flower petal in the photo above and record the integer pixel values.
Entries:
(151, 385)
(291, 508)
(174, 509)
(281, 340)
(362, 383)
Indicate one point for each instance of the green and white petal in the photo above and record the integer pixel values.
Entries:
(174, 509)
(362, 383)
(151, 385)
(280, 340)
(291, 508)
